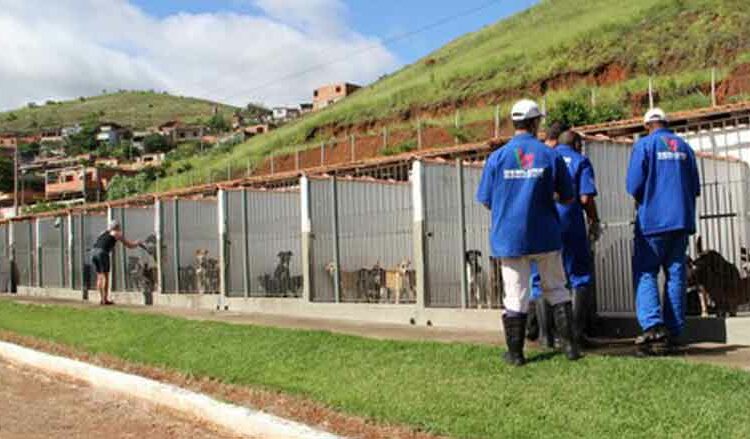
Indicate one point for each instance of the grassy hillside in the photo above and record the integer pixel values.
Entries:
(138, 109)
(561, 47)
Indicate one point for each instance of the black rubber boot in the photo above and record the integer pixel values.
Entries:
(563, 313)
(546, 325)
(532, 324)
(515, 335)
(580, 315)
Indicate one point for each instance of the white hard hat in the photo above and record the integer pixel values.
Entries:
(525, 109)
(655, 115)
(112, 225)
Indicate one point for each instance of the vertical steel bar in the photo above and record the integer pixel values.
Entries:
(37, 232)
(71, 251)
(419, 133)
(336, 249)
(159, 233)
(306, 228)
(245, 245)
(111, 275)
(124, 255)
(176, 244)
(221, 211)
(63, 228)
(462, 229)
(296, 158)
(82, 257)
(352, 146)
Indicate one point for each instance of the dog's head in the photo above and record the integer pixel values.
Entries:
(404, 266)
(201, 255)
(285, 257)
(473, 256)
(330, 267)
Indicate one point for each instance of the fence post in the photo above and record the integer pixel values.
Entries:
(221, 200)
(457, 125)
(306, 227)
(420, 265)
(158, 228)
(322, 153)
(352, 146)
(497, 121)
(82, 258)
(12, 258)
(123, 255)
(593, 97)
(71, 250)
(37, 235)
(296, 159)
(385, 137)
(335, 230)
(419, 133)
(110, 217)
(245, 246)
(176, 246)
(650, 92)
(713, 87)
(273, 163)
(462, 228)
(63, 269)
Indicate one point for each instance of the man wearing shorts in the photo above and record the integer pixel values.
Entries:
(100, 257)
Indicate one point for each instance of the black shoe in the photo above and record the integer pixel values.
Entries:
(657, 334)
(515, 335)
(564, 326)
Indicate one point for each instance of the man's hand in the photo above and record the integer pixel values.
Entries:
(595, 231)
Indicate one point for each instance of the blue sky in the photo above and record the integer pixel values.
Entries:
(378, 18)
(233, 51)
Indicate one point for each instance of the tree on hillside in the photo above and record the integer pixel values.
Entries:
(123, 187)
(29, 150)
(6, 174)
(218, 124)
(84, 140)
(155, 143)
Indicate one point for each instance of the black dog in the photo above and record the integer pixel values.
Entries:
(717, 280)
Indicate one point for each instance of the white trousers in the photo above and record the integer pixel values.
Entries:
(516, 273)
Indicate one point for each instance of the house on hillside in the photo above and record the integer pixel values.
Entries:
(79, 182)
(52, 136)
(26, 196)
(305, 108)
(111, 134)
(8, 140)
(177, 132)
(254, 130)
(285, 114)
(330, 94)
(69, 131)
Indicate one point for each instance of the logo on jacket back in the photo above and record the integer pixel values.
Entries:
(671, 150)
(525, 169)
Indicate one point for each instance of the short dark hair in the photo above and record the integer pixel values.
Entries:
(526, 124)
(570, 138)
(556, 129)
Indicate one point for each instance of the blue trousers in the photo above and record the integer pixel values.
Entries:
(650, 255)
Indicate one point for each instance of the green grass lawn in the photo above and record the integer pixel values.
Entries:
(454, 389)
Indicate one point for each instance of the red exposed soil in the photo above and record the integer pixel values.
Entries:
(290, 407)
(737, 83)
(366, 147)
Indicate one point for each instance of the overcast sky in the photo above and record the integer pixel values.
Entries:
(237, 51)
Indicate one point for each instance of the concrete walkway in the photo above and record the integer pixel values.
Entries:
(721, 354)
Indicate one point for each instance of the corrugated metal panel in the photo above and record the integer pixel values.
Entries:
(274, 233)
(321, 213)
(443, 241)
(236, 264)
(375, 232)
(52, 240)
(25, 252)
(137, 224)
(167, 250)
(198, 232)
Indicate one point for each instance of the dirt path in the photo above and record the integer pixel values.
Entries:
(35, 405)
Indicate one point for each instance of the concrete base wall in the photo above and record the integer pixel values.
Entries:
(735, 331)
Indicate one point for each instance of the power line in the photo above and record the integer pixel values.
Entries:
(347, 57)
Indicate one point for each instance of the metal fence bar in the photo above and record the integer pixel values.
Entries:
(306, 236)
(336, 248)
(245, 246)
(176, 244)
(37, 233)
(462, 227)
(82, 258)
(221, 212)
(419, 232)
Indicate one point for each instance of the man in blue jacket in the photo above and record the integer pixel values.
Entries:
(663, 179)
(520, 184)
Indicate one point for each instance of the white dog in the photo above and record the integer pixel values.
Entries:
(476, 279)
